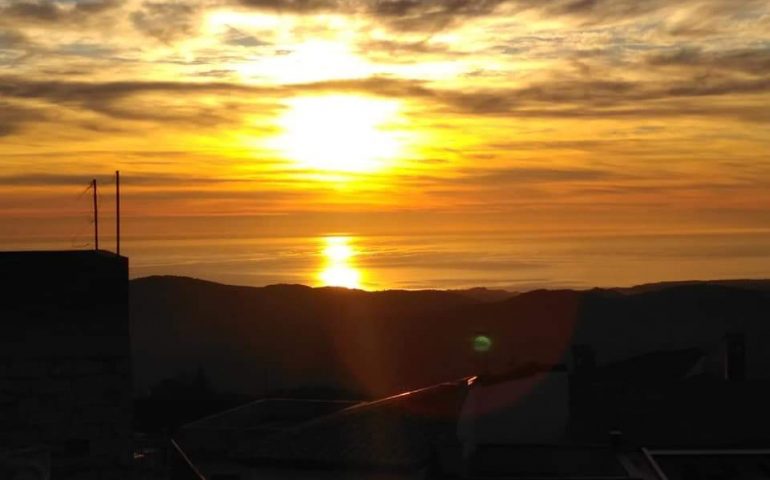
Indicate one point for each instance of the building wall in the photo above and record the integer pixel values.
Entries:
(64, 360)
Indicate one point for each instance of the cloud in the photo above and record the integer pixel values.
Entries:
(407, 52)
(294, 6)
(377, 85)
(695, 17)
(595, 11)
(750, 60)
(76, 91)
(548, 99)
(13, 117)
(430, 15)
(586, 98)
(108, 98)
(685, 17)
(398, 14)
(166, 21)
(241, 39)
(535, 175)
(714, 17)
(570, 98)
(436, 15)
(217, 73)
(446, 260)
(12, 39)
(133, 179)
(47, 12)
(491, 181)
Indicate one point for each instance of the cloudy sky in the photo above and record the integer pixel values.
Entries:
(306, 117)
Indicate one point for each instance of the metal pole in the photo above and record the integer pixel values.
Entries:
(117, 209)
(96, 218)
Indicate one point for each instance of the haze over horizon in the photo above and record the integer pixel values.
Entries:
(394, 143)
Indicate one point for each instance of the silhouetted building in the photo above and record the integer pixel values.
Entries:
(526, 406)
(393, 437)
(631, 419)
(669, 399)
(65, 379)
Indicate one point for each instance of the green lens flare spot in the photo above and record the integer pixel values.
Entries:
(482, 343)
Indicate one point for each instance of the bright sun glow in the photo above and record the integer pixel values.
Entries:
(339, 133)
(339, 270)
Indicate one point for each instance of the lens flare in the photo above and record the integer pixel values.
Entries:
(482, 343)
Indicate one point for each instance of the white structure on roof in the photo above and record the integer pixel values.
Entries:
(530, 409)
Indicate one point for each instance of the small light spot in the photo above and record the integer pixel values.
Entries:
(482, 343)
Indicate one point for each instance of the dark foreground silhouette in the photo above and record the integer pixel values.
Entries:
(657, 381)
(652, 382)
(254, 341)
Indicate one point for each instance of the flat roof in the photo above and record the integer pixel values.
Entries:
(23, 253)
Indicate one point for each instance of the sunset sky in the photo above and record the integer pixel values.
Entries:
(345, 118)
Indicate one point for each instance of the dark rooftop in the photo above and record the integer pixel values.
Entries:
(397, 432)
(269, 414)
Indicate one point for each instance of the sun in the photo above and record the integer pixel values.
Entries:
(339, 133)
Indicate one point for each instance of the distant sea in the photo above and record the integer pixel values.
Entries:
(447, 261)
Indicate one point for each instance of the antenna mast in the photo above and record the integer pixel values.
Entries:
(96, 217)
(117, 210)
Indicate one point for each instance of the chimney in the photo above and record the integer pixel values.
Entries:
(734, 357)
(584, 359)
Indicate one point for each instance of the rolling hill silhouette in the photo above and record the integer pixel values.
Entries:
(256, 340)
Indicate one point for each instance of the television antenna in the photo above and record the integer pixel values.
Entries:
(96, 216)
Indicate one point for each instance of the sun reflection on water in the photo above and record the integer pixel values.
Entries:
(339, 269)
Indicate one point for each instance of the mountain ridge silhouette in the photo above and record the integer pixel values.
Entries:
(254, 340)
